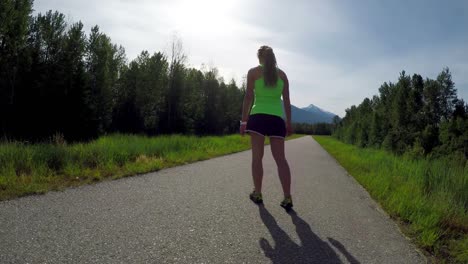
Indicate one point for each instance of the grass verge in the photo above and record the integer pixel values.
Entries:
(38, 168)
(428, 197)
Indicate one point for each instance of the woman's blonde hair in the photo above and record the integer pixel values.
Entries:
(270, 72)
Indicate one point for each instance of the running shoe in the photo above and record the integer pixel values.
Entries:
(256, 197)
(287, 203)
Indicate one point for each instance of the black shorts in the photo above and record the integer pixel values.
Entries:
(266, 125)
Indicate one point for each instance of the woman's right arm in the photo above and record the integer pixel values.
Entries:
(287, 103)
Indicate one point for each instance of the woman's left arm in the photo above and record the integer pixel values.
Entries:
(248, 98)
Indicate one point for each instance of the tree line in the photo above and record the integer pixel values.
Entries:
(414, 115)
(55, 78)
(315, 129)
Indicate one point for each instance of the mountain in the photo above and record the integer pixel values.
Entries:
(315, 109)
(310, 114)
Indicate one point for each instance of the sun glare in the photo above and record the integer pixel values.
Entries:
(204, 16)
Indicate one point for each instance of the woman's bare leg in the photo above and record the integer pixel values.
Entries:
(257, 142)
(277, 149)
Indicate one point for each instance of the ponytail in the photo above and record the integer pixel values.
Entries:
(270, 72)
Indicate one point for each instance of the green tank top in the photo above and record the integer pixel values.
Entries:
(268, 98)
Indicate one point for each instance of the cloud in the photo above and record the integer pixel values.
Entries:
(334, 52)
(340, 89)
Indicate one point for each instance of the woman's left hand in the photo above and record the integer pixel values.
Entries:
(242, 129)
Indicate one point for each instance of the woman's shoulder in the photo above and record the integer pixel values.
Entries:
(255, 71)
(282, 74)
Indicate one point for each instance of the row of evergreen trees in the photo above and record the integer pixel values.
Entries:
(414, 115)
(315, 129)
(54, 78)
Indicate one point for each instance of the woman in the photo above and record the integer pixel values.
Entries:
(266, 84)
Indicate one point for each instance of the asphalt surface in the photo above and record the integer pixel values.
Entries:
(200, 213)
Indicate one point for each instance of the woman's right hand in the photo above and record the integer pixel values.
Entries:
(289, 130)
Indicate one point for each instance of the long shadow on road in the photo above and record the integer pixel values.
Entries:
(311, 250)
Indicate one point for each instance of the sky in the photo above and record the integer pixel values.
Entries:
(335, 53)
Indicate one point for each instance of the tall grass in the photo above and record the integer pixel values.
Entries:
(38, 168)
(429, 196)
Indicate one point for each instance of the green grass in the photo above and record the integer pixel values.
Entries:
(38, 168)
(429, 197)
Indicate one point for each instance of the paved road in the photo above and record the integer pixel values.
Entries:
(200, 213)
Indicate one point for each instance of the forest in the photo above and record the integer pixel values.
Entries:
(411, 153)
(415, 116)
(57, 80)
